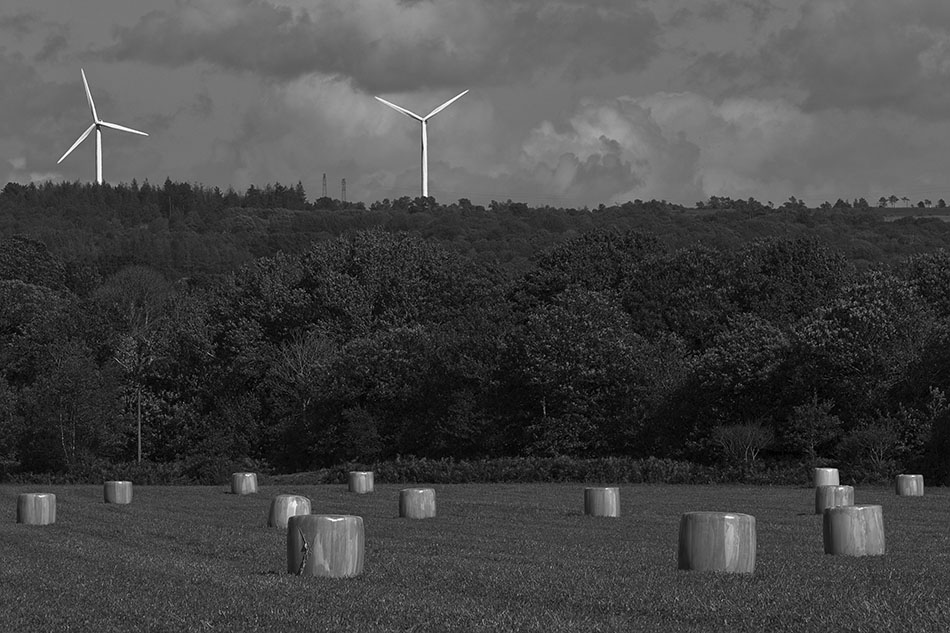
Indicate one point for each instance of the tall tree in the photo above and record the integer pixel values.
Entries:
(133, 299)
(784, 280)
(70, 415)
(686, 292)
(576, 375)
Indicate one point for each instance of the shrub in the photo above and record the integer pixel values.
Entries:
(743, 442)
(409, 470)
(937, 456)
(870, 451)
(811, 427)
(214, 469)
(622, 470)
(148, 473)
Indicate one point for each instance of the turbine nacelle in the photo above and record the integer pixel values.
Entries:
(97, 125)
(423, 120)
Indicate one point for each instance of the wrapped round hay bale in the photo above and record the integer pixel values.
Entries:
(282, 507)
(417, 503)
(36, 508)
(910, 485)
(329, 545)
(243, 483)
(602, 502)
(854, 530)
(360, 481)
(825, 476)
(117, 492)
(831, 496)
(717, 541)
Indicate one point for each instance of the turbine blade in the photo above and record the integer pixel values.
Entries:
(78, 141)
(92, 105)
(445, 105)
(399, 109)
(121, 128)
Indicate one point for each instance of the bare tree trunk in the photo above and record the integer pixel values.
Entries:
(62, 439)
(138, 394)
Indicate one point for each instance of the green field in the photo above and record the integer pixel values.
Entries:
(497, 558)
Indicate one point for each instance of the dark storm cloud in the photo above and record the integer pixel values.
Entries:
(24, 25)
(878, 54)
(579, 37)
(385, 45)
(54, 44)
(874, 53)
(26, 99)
(720, 11)
(201, 107)
(41, 118)
(20, 24)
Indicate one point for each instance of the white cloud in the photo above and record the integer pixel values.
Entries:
(678, 146)
(43, 176)
(685, 147)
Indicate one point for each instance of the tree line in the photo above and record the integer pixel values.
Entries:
(379, 344)
(188, 230)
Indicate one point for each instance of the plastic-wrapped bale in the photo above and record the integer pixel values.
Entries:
(117, 492)
(282, 507)
(717, 541)
(360, 482)
(417, 503)
(825, 477)
(602, 502)
(329, 545)
(243, 483)
(36, 508)
(910, 485)
(831, 496)
(854, 530)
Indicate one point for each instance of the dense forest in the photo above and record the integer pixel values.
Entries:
(261, 326)
(185, 230)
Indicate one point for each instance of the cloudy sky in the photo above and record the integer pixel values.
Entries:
(572, 102)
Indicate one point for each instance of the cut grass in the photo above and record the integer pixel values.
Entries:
(496, 558)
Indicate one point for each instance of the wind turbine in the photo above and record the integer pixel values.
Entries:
(424, 120)
(97, 125)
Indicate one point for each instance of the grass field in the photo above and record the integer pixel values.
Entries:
(497, 558)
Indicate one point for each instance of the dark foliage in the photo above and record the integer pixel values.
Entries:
(263, 327)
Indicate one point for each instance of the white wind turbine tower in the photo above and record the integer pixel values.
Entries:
(97, 125)
(424, 120)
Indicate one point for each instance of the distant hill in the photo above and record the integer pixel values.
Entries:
(188, 230)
